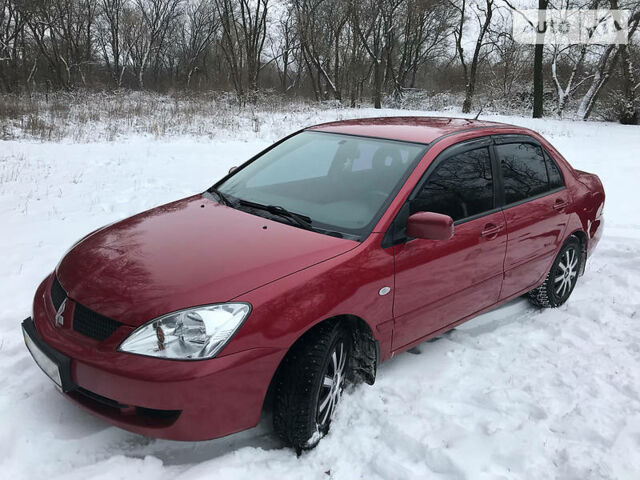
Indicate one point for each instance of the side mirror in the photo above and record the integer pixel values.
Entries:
(232, 169)
(430, 226)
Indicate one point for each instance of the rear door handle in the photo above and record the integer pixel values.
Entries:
(491, 230)
(560, 204)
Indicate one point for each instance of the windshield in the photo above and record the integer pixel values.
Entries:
(341, 183)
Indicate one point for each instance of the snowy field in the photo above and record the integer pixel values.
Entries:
(516, 393)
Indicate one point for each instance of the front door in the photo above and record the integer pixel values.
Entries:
(440, 282)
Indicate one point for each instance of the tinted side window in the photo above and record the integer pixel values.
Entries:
(524, 172)
(461, 186)
(555, 177)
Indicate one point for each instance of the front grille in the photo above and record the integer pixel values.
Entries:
(57, 293)
(85, 321)
(92, 324)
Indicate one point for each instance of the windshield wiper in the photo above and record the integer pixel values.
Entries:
(301, 221)
(332, 233)
(223, 198)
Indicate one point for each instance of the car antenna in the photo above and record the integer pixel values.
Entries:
(479, 112)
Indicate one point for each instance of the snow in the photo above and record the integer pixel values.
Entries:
(515, 393)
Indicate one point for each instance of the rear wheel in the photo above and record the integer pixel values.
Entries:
(310, 384)
(561, 279)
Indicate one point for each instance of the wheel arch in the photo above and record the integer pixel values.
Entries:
(582, 238)
(365, 348)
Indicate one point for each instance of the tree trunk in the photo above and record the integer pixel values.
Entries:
(285, 68)
(377, 87)
(470, 77)
(468, 97)
(538, 77)
(141, 78)
(629, 114)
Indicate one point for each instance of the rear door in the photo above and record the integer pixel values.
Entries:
(535, 207)
(440, 282)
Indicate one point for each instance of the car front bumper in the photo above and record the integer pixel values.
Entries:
(177, 400)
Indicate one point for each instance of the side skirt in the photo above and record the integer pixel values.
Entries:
(451, 326)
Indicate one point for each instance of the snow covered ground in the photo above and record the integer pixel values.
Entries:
(516, 393)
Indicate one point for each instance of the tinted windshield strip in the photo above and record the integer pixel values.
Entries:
(371, 137)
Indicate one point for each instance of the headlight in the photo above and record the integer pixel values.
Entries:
(191, 334)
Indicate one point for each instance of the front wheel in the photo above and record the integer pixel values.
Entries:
(561, 279)
(310, 384)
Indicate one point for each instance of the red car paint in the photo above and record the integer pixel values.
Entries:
(430, 225)
(146, 266)
(108, 263)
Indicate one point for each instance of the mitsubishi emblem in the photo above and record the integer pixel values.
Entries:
(59, 317)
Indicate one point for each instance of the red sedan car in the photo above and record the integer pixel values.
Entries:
(331, 251)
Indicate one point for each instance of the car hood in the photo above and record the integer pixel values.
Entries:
(191, 252)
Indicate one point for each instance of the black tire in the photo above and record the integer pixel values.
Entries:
(300, 387)
(561, 280)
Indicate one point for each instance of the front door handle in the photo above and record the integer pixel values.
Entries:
(560, 204)
(491, 230)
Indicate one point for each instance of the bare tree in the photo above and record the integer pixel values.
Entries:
(321, 27)
(253, 15)
(426, 26)
(283, 49)
(197, 34)
(508, 66)
(12, 23)
(540, 27)
(373, 21)
(112, 40)
(344, 50)
(572, 58)
(62, 32)
(564, 93)
(244, 31)
(606, 65)
(538, 58)
(630, 112)
(148, 24)
(231, 45)
(483, 12)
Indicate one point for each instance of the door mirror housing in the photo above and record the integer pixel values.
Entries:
(232, 169)
(430, 226)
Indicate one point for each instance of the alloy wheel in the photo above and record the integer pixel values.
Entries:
(332, 385)
(566, 273)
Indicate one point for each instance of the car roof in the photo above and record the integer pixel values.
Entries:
(408, 129)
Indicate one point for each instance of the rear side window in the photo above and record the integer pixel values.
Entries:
(555, 177)
(461, 186)
(524, 171)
